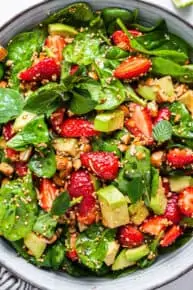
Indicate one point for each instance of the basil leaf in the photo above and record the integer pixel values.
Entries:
(61, 204)
(11, 104)
(162, 131)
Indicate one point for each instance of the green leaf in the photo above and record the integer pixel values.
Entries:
(160, 25)
(61, 204)
(11, 104)
(155, 181)
(162, 131)
(45, 225)
(80, 104)
(57, 254)
(43, 164)
(34, 133)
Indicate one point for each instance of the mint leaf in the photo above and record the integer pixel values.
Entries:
(162, 131)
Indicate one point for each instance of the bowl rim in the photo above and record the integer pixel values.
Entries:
(42, 3)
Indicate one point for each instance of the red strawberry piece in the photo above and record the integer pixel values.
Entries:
(129, 236)
(140, 124)
(154, 225)
(178, 158)
(11, 154)
(72, 255)
(48, 193)
(166, 186)
(56, 44)
(163, 114)
(121, 39)
(7, 131)
(132, 67)
(21, 168)
(56, 119)
(104, 164)
(45, 69)
(172, 212)
(185, 201)
(80, 184)
(87, 210)
(170, 236)
(75, 127)
(74, 69)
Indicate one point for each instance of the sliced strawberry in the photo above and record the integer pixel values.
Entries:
(56, 44)
(185, 201)
(11, 154)
(178, 158)
(7, 131)
(74, 69)
(21, 168)
(163, 114)
(140, 124)
(56, 119)
(104, 164)
(45, 69)
(129, 236)
(172, 212)
(170, 236)
(80, 184)
(87, 212)
(133, 67)
(48, 193)
(121, 40)
(75, 127)
(154, 225)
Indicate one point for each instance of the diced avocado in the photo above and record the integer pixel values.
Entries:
(113, 248)
(135, 254)
(158, 200)
(114, 207)
(178, 183)
(35, 244)
(147, 92)
(109, 121)
(62, 29)
(187, 100)
(121, 261)
(166, 85)
(138, 212)
(22, 120)
(65, 146)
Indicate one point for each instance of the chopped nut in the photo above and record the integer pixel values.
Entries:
(122, 147)
(2, 143)
(3, 53)
(93, 75)
(58, 181)
(153, 108)
(126, 139)
(125, 110)
(61, 162)
(64, 173)
(177, 118)
(86, 148)
(140, 155)
(3, 84)
(157, 158)
(6, 168)
(76, 164)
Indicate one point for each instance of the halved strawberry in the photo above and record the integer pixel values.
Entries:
(172, 212)
(56, 44)
(185, 201)
(154, 225)
(121, 40)
(163, 114)
(129, 236)
(170, 236)
(178, 158)
(56, 119)
(80, 184)
(11, 154)
(140, 123)
(76, 127)
(21, 168)
(87, 212)
(104, 164)
(48, 193)
(7, 131)
(133, 67)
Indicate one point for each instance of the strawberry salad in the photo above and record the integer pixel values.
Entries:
(96, 147)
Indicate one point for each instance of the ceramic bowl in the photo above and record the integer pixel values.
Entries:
(168, 267)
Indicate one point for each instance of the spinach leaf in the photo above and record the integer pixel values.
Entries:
(80, 104)
(92, 246)
(11, 104)
(20, 51)
(18, 208)
(34, 133)
(61, 204)
(45, 99)
(76, 14)
(43, 164)
(107, 145)
(115, 52)
(56, 255)
(45, 225)
(2, 70)
(160, 25)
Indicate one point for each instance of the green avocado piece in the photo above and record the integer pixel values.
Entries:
(121, 261)
(112, 196)
(147, 92)
(166, 85)
(135, 254)
(109, 121)
(65, 146)
(138, 212)
(62, 29)
(178, 183)
(187, 100)
(158, 200)
(35, 244)
(113, 248)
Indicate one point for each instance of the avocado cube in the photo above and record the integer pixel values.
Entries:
(178, 183)
(135, 254)
(147, 92)
(158, 201)
(65, 146)
(166, 85)
(121, 261)
(187, 100)
(114, 207)
(138, 212)
(109, 121)
(113, 248)
(62, 29)
(35, 244)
